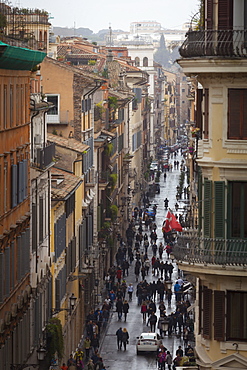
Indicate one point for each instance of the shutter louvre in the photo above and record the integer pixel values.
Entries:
(207, 207)
(219, 315)
(207, 312)
(219, 209)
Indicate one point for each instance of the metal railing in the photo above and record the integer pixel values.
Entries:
(45, 156)
(192, 248)
(213, 43)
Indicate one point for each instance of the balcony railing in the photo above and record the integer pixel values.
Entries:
(215, 43)
(45, 156)
(191, 248)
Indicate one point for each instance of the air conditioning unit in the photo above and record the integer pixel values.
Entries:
(37, 139)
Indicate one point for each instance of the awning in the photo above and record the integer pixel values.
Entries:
(16, 58)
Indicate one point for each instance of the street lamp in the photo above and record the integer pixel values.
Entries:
(169, 285)
(72, 301)
(41, 352)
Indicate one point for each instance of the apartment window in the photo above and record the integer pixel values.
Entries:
(137, 62)
(237, 213)
(236, 316)
(237, 114)
(53, 114)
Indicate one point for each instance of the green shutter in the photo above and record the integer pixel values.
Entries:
(219, 209)
(207, 313)
(207, 208)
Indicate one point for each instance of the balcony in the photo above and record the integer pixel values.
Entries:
(207, 251)
(215, 43)
(45, 156)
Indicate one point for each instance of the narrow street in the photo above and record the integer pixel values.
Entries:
(113, 358)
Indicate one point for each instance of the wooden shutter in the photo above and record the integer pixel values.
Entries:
(58, 294)
(237, 114)
(225, 14)
(200, 310)
(34, 227)
(209, 19)
(1, 277)
(219, 315)
(207, 312)
(219, 209)
(207, 208)
(14, 185)
(198, 115)
(206, 113)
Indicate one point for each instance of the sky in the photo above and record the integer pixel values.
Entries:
(101, 14)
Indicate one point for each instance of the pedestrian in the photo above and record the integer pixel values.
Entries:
(95, 343)
(162, 359)
(119, 334)
(71, 363)
(87, 346)
(79, 354)
(144, 309)
(125, 309)
(179, 351)
(90, 365)
(152, 320)
(169, 360)
(125, 338)
(64, 367)
(119, 308)
(130, 290)
(79, 364)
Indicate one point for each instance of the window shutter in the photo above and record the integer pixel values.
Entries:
(41, 219)
(207, 312)
(219, 315)
(20, 182)
(225, 14)
(58, 295)
(219, 209)
(73, 250)
(209, 18)
(200, 310)
(14, 185)
(237, 114)
(13, 262)
(83, 106)
(206, 112)
(34, 227)
(198, 115)
(25, 179)
(207, 208)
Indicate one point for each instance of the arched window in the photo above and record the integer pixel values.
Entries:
(40, 36)
(137, 62)
(145, 62)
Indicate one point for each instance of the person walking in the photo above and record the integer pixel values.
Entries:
(169, 360)
(125, 309)
(119, 308)
(162, 359)
(119, 334)
(125, 338)
(71, 363)
(130, 290)
(87, 346)
(144, 309)
(152, 320)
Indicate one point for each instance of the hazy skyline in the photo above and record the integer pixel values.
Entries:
(99, 15)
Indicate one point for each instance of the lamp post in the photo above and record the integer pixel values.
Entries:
(72, 301)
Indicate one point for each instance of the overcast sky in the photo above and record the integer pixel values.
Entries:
(100, 14)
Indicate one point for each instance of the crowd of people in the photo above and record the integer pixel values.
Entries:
(153, 289)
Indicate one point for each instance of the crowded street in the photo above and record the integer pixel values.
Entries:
(135, 325)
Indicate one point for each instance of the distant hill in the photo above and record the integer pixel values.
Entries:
(83, 32)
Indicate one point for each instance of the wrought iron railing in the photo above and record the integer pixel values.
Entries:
(45, 156)
(191, 248)
(213, 43)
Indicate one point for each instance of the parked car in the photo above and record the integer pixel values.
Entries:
(147, 342)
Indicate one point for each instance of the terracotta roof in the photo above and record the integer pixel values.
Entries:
(70, 143)
(63, 184)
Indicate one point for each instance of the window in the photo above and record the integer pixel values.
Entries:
(236, 317)
(237, 213)
(145, 62)
(206, 112)
(137, 62)
(237, 114)
(53, 114)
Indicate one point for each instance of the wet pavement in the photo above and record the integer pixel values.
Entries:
(122, 360)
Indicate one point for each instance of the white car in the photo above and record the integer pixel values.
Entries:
(154, 166)
(147, 342)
